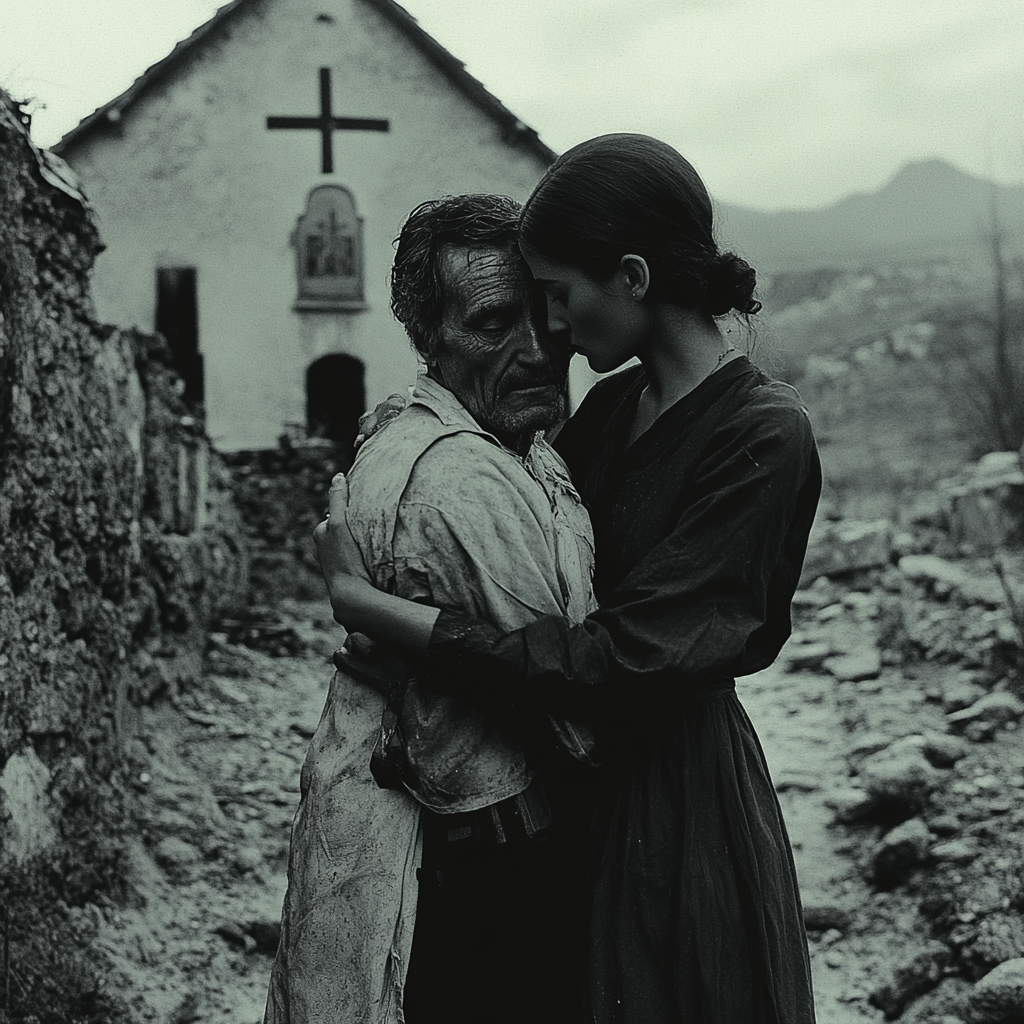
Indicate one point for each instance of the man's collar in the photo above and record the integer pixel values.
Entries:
(443, 404)
(447, 408)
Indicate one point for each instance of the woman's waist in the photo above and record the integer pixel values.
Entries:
(671, 688)
(668, 708)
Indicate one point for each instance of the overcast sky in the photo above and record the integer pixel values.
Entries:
(778, 103)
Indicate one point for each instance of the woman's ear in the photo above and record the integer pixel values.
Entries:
(635, 274)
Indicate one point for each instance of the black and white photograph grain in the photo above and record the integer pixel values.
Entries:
(511, 512)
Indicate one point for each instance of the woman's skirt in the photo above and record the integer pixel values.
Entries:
(695, 916)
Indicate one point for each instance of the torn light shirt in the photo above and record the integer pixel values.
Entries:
(445, 514)
(441, 512)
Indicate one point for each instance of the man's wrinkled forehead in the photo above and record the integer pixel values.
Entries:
(477, 277)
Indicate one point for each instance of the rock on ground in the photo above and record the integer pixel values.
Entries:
(999, 996)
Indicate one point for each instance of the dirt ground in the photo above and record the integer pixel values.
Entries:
(218, 779)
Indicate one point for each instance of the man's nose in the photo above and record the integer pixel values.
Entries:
(531, 347)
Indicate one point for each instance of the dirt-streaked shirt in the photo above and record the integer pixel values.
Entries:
(445, 514)
(441, 512)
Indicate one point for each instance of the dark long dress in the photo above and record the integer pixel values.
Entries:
(701, 526)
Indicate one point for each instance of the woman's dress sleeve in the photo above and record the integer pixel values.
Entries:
(708, 602)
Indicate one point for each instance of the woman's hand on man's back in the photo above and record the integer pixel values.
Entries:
(378, 417)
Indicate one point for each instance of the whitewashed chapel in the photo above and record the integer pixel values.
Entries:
(249, 188)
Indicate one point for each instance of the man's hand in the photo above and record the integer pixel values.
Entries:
(376, 419)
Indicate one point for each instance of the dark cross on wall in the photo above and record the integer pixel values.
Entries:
(327, 123)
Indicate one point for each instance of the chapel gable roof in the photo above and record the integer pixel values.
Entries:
(514, 131)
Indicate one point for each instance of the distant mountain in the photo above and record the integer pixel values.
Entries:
(928, 210)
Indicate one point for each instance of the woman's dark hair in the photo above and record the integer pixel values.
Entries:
(417, 279)
(620, 194)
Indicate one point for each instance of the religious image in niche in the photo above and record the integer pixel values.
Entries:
(330, 253)
(328, 247)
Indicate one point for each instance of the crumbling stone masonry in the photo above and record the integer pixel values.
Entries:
(118, 546)
(281, 495)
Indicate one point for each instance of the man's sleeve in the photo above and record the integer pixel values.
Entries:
(471, 537)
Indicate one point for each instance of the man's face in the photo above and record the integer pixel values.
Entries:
(496, 355)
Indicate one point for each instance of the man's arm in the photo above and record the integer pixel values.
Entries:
(356, 603)
(475, 532)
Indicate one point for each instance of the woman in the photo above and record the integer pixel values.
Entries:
(702, 478)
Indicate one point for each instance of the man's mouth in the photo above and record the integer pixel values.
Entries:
(533, 389)
(542, 392)
(524, 382)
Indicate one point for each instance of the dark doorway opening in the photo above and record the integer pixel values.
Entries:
(177, 319)
(335, 399)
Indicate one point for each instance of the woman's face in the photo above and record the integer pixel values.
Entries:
(605, 321)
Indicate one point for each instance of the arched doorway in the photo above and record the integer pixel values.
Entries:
(335, 399)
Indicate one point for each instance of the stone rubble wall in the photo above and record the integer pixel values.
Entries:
(281, 494)
(119, 541)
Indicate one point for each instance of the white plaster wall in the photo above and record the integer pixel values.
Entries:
(191, 176)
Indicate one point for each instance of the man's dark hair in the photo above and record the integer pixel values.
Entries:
(417, 281)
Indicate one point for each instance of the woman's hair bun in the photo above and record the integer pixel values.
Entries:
(731, 286)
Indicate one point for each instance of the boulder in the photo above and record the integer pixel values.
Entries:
(985, 503)
(806, 655)
(899, 851)
(918, 973)
(954, 851)
(846, 546)
(861, 604)
(900, 779)
(822, 914)
(863, 744)
(849, 804)
(943, 750)
(940, 748)
(801, 780)
(960, 694)
(945, 824)
(979, 730)
(948, 577)
(247, 858)
(236, 935)
(999, 996)
(266, 932)
(856, 666)
(176, 856)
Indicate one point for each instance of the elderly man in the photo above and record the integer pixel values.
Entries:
(440, 896)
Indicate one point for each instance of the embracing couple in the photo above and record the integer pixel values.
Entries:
(537, 797)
